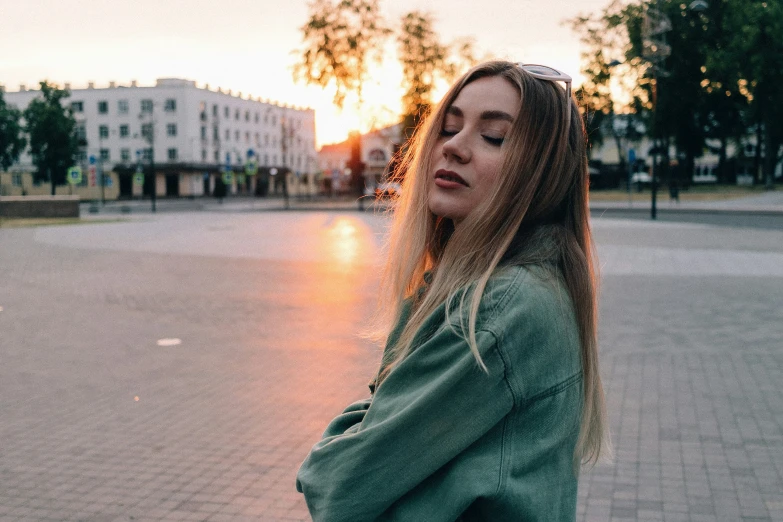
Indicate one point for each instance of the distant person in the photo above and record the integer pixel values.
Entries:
(674, 176)
(488, 398)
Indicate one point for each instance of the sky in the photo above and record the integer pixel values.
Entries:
(249, 46)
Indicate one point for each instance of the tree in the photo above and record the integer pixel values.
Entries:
(424, 60)
(756, 39)
(52, 131)
(610, 68)
(12, 142)
(341, 38)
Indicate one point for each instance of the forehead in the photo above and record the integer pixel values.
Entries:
(489, 94)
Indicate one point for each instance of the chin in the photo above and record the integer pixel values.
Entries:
(447, 211)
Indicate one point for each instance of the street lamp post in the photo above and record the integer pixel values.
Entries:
(656, 50)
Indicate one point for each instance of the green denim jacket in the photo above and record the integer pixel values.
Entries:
(441, 440)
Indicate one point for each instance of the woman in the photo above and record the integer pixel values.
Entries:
(488, 398)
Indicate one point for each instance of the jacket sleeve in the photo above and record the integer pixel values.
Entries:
(429, 410)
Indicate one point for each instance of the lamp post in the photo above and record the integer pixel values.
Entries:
(655, 26)
(655, 50)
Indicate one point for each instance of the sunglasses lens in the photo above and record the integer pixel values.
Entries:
(542, 70)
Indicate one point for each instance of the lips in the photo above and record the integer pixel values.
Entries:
(450, 177)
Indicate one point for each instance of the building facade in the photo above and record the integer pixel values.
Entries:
(188, 134)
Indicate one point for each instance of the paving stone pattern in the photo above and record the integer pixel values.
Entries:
(98, 422)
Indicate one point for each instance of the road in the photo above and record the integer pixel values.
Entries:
(104, 416)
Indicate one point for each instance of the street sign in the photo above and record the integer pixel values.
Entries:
(92, 159)
(228, 177)
(74, 175)
(251, 168)
(138, 179)
(631, 155)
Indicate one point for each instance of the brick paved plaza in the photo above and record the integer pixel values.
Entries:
(98, 421)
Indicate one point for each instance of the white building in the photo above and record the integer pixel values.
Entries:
(192, 132)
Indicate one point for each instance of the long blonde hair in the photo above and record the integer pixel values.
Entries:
(543, 186)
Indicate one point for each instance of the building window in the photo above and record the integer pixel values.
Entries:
(103, 107)
(258, 139)
(225, 111)
(171, 129)
(247, 115)
(274, 119)
(146, 131)
(125, 155)
(236, 135)
(203, 154)
(216, 155)
(256, 119)
(122, 106)
(274, 159)
(103, 131)
(236, 114)
(16, 180)
(215, 133)
(170, 105)
(172, 154)
(266, 139)
(214, 110)
(203, 132)
(77, 106)
(266, 160)
(146, 154)
(104, 154)
(124, 131)
(146, 105)
(247, 137)
(228, 135)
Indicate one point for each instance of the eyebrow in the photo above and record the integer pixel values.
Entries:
(486, 115)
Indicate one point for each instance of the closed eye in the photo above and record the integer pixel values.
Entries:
(493, 141)
(448, 133)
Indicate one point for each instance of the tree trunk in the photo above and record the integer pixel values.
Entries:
(722, 160)
(757, 156)
(771, 145)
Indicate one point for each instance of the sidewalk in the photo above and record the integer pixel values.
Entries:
(765, 203)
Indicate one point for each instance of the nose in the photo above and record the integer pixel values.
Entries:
(457, 148)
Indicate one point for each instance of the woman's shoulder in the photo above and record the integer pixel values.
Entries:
(530, 313)
(525, 290)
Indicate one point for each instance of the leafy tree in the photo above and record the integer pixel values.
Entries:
(756, 40)
(341, 38)
(606, 40)
(12, 142)
(424, 61)
(52, 130)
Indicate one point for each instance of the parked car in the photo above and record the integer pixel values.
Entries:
(641, 178)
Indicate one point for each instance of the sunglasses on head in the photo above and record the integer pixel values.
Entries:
(544, 72)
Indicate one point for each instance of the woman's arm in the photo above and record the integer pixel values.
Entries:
(431, 408)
